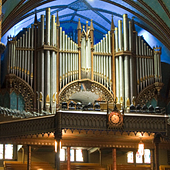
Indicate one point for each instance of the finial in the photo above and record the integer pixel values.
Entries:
(58, 22)
(112, 25)
(35, 19)
(86, 26)
(91, 25)
(79, 25)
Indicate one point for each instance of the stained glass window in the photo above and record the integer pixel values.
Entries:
(147, 156)
(1, 151)
(139, 158)
(79, 155)
(130, 157)
(62, 155)
(72, 155)
(8, 151)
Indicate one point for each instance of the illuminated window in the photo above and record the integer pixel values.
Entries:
(139, 158)
(8, 151)
(79, 155)
(62, 155)
(72, 155)
(130, 157)
(1, 151)
(147, 156)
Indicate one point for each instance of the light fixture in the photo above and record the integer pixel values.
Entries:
(141, 148)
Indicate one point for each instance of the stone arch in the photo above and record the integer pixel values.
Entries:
(91, 86)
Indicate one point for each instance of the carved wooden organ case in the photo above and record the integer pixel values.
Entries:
(122, 64)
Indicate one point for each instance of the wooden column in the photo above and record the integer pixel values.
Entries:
(92, 47)
(79, 49)
(100, 154)
(58, 60)
(114, 158)
(29, 157)
(68, 158)
(113, 58)
(152, 161)
(23, 155)
(156, 142)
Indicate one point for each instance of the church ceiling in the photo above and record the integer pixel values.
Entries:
(153, 15)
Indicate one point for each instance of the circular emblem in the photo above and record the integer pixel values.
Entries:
(115, 118)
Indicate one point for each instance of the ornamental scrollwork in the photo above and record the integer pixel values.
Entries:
(146, 94)
(19, 86)
(93, 86)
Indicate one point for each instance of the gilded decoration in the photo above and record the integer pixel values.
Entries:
(90, 86)
(115, 120)
(147, 94)
(19, 86)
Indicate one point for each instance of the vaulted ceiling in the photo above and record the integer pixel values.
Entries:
(151, 15)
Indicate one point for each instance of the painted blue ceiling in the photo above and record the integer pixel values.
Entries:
(150, 17)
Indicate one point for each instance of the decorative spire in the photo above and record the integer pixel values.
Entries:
(112, 25)
(91, 25)
(58, 22)
(79, 25)
(86, 26)
(133, 24)
(35, 18)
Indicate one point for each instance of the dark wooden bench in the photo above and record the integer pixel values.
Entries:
(15, 165)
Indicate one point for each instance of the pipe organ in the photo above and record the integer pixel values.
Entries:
(46, 58)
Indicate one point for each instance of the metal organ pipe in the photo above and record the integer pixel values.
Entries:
(20, 69)
(131, 68)
(28, 63)
(140, 64)
(61, 59)
(145, 66)
(126, 58)
(23, 57)
(47, 62)
(26, 52)
(32, 52)
(121, 74)
(117, 66)
(53, 66)
(64, 64)
(42, 62)
(137, 64)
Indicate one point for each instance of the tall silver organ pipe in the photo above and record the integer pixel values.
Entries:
(126, 58)
(117, 66)
(157, 64)
(131, 63)
(28, 63)
(26, 52)
(47, 60)
(32, 52)
(121, 73)
(53, 66)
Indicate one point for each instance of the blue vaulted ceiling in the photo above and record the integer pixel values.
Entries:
(152, 18)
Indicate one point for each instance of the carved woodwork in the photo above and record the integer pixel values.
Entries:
(115, 120)
(146, 94)
(19, 86)
(94, 87)
(83, 121)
